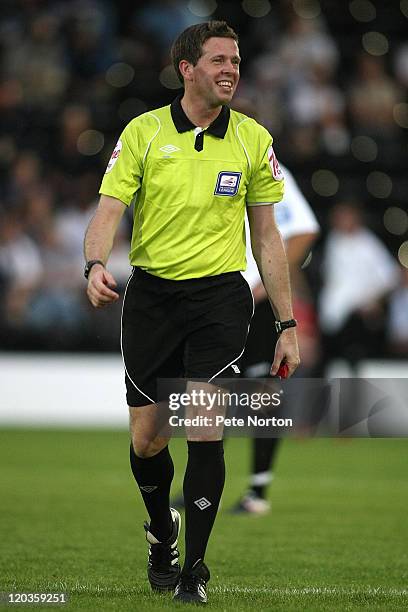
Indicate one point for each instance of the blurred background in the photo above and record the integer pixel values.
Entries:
(328, 79)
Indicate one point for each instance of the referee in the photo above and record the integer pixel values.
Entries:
(192, 169)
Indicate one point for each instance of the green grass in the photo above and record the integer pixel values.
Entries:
(336, 540)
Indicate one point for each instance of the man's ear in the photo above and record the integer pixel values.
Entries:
(186, 70)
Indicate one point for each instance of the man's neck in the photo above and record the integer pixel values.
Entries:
(198, 113)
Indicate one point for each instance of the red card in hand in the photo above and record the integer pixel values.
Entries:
(283, 370)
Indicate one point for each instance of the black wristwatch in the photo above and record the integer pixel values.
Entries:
(89, 264)
(280, 326)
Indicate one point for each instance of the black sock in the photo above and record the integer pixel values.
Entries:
(203, 484)
(264, 451)
(154, 476)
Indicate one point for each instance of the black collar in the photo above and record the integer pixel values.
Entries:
(217, 128)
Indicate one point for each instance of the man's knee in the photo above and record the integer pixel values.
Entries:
(148, 437)
(145, 448)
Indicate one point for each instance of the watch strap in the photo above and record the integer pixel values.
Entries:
(90, 264)
(280, 326)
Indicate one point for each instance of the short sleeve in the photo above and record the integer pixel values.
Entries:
(123, 173)
(267, 182)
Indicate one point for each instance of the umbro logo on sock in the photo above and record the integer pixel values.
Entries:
(202, 503)
(149, 488)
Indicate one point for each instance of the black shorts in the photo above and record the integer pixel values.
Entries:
(194, 328)
(260, 346)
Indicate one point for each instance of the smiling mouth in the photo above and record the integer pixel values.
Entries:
(226, 85)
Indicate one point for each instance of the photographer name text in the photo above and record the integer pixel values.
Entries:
(249, 421)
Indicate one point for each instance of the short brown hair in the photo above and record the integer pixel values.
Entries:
(189, 45)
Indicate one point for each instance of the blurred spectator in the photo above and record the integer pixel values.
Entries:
(13, 119)
(317, 107)
(297, 79)
(401, 64)
(372, 97)
(358, 273)
(36, 58)
(303, 44)
(90, 28)
(164, 20)
(397, 324)
(66, 159)
(25, 176)
(21, 269)
(72, 219)
(58, 306)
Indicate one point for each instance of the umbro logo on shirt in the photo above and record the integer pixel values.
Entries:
(169, 149)
(149, 488)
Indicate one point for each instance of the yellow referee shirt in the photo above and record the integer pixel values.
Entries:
(190, 189)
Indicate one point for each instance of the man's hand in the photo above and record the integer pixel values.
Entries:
(286, 352)
(99, 287)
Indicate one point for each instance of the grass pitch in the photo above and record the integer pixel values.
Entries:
(336, 540)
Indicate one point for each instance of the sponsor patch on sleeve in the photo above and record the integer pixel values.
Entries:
(274, 164)
(227, 183)
(114, 156)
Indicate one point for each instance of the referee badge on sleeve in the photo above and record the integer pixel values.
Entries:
(274, 164)
(227, 183)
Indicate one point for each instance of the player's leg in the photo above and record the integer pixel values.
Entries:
(263, 452)
(219, 326)
(256, 363)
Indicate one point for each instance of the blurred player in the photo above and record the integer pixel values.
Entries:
(193, 168)
(299, 229)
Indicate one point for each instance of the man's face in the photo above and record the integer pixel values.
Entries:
(215, 76)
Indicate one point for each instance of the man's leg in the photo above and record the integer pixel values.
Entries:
(152, 342)
(153, 470)
(152, 467)
(204, 477)
(203, 485)
(219, 310)
(202, 488)
(196, 455)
